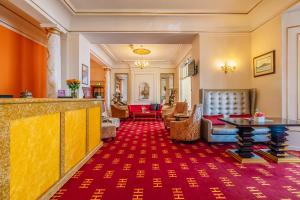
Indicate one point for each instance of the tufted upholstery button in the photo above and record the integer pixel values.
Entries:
(227, 101)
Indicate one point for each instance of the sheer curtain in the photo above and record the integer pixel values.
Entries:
(186, 87)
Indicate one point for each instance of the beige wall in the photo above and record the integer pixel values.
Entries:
(134, 72)
(217, 47)
(241, 48)
(265, 39)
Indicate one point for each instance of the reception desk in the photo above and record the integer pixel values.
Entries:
(43, 142)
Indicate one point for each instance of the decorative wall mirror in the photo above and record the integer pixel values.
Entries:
(121, 88)
(166, 87)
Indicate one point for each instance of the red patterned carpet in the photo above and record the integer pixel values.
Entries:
(143, 163)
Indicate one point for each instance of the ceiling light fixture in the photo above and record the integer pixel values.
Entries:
(141, 62)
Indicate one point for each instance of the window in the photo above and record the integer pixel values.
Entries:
(186, 86)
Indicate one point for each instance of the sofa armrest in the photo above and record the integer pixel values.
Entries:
(206, 129)
(169, 115)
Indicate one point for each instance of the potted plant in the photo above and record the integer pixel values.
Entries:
(73, 85)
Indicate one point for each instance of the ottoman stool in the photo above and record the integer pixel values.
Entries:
(108, 130)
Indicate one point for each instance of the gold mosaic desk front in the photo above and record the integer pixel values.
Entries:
(42, 141)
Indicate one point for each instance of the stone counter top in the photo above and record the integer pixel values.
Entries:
(42, 100)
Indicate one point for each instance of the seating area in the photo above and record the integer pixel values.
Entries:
(228, 103)
(144, 111)
(180, 108)
(150, 99)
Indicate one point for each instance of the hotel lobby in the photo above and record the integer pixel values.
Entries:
(143, 100)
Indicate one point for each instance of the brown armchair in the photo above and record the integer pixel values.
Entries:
(189, 129)
(180, 108)
(119, 111)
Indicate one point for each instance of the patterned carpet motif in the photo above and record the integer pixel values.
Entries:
(143, 163)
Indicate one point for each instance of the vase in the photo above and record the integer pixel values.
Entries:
(260, 119)
(74, 93)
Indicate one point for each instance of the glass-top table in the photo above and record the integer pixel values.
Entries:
(278, 140)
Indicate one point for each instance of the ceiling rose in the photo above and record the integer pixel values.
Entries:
(140, 51)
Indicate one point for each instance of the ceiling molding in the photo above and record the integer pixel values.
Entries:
(274, 16)
(182, 54)
(129, 12)
(205, 22)
(108, 51)
(178, 54)
(12, 20)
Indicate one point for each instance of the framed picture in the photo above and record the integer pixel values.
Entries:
(144, 90)
(85, 74)
(264, 64)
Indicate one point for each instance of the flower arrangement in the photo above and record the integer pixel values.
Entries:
(259, 116)
(73, 85)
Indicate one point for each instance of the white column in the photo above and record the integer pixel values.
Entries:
(107, 86)
(54, 63)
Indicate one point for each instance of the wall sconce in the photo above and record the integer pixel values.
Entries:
(229, 66)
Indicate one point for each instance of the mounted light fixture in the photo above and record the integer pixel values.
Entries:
(226, 67)
(141, 62)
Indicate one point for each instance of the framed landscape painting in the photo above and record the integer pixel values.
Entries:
(264, 64)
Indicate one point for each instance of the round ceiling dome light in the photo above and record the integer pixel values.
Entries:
(141, 51)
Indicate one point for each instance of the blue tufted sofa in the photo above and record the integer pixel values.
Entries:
(228, 102)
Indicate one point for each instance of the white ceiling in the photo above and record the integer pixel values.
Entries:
(160, 53)
(160, 16)
(140, 38)
(162, 6)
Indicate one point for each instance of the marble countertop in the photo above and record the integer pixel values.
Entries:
(42, 100)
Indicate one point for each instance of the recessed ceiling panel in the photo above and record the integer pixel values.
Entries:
(162, 6)
(159, 52)
(140, 38)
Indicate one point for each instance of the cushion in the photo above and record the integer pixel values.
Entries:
(225, 130)
(214, 119)
(157, 106)
(153, 106)
(240, 116)
(231, 130)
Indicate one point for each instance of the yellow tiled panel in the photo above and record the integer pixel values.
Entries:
(75, 137)
(34, 155)
(94, 127)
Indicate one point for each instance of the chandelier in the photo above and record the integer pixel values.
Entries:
(141, 62)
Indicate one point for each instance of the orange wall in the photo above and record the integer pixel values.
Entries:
(23, 64)
(97, 71)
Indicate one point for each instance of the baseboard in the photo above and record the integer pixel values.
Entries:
(67, 176)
